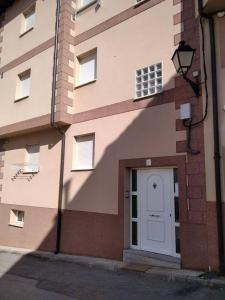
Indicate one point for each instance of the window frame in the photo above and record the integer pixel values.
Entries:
(85, 6)
(14, 218)
(88, 3)
(29, 169)
(19, 96)
(77, 166)
(25, 14)
(81, 57)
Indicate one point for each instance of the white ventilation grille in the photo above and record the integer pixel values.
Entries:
(149, 80)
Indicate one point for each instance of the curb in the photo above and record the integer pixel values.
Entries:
(92, 262)
(187, 276)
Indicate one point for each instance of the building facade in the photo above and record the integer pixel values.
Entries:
(94, 157)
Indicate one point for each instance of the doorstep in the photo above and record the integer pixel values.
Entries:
(133, 256)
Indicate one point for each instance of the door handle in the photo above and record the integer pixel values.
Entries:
(154, 216)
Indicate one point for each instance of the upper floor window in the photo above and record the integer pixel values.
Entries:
(87, 65)
(85, 2)
(84, 152)
(32, 159)
(28, 19)
(149, 80)
(23, 85)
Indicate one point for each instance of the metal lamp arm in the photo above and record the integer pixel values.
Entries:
(194, 85)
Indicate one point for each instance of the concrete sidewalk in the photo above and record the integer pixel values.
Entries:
(112, 265)
(45, 276)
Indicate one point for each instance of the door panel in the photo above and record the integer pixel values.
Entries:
(156, 194)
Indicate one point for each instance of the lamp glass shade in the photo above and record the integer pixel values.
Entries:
(183, 58)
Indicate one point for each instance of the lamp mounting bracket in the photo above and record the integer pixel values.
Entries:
(194, 85)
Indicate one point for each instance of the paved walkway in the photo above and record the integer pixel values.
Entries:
(42, 278)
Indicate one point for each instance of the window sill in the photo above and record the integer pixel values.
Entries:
(25, 32)
(82, 170)
(148, 96)
(20, 99)
(82, 8)
(84, 84)
(17, 225)
(30, 172)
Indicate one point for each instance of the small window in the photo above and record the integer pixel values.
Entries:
(23, 85)
(149, 80)
(85, 2)
(138, 1)
(28, 19)
(87, 68)
(16, 218)
(84, 152)
(32, 159)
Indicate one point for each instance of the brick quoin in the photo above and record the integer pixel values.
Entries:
(197, 230)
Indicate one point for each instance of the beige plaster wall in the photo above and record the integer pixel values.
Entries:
(122, 50)
(44, 28)
(39, 101)
(91, 17)
(208, 128)
(42, 190)
(142, 133)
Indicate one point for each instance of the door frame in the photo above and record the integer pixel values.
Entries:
(138, 219)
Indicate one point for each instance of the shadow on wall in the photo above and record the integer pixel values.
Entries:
(93, 233)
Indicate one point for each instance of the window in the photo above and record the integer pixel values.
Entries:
(16, 218)
(87, 68)
(138, 1)
(84, 152)
(28, 19)
(176, 215)
(149, 80)
(85, 2)
(23, 85)
(134, 213)
(32, 159)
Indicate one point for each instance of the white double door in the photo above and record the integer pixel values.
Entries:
(156, 204)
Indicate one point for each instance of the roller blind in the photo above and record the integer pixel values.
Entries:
(85, 2)
(87, 68)
(29, 19)
(24, 85)
(84, 152)
(32, 158)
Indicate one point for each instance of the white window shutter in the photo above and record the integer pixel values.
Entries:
(85, 2)
(32, 159)
(87, 68)
(84, 152)
(25, 85)
(30, 19)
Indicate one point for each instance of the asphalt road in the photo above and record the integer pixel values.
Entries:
(37, 278)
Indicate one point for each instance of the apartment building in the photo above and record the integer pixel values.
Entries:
(95, 159)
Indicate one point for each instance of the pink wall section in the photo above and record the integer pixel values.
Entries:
(42, 189)
(142, 133)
